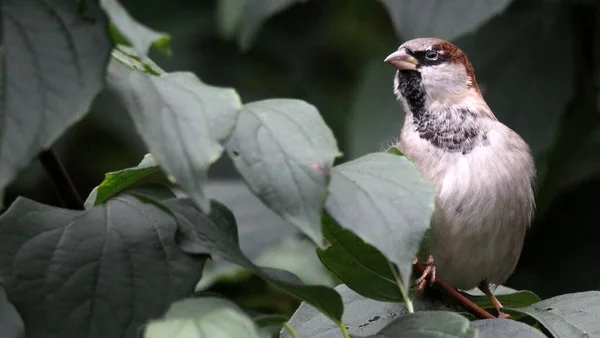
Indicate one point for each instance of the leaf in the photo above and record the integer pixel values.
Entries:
(101, 272)
(428, 324)
(358, 265)
(182, 121)
(247, 17)
(383, 200)
(117, 181)
(571, 315)
(507, 296)
(127, 31)
(270, 320)
(53, 66)
(501, 328)
(444, 19)
(11, 324)
(203, 317)
(284, 150)
(217, 234)
(362, 316)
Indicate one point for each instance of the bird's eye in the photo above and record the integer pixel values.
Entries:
(432, 55)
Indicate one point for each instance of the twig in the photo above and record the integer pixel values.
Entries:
(62, 182)
(452, 292)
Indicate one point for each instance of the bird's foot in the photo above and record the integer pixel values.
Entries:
(485, 288)
(428, 274)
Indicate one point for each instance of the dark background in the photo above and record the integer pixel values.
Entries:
(536, 63)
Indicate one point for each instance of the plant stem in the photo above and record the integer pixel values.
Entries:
(452, 292)
(343, 329)
(407, 301)
(62, 182)
(291, 330)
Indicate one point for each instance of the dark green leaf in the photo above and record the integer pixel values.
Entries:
(182, 120)
(217, 234)
(203, 317)
(53, 66)
(116, 182)
(362, 316)
(502, 328)
(382, 198)
(270, 320)
(443, 19)
(357, 264)
(394, 151)
(284, 151)
(568, 316)
(125, 30)
(507, 296)
(102, 272)
(428, 324)
(11, 324)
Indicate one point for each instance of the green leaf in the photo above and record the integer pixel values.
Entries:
(103, 272)
(203, 317)
(428, 324)
(444, 19)
(270, 320)
(53, 66)
(117, 181)
(11, 324)
(125, 30)
(383, 200)
(217, 234)
(246, 17)
(507, 296)
(571, 315)
(284, 151)
(362, 316)
(358, 265)
(182, 121)
(502, 328)
(394, 151)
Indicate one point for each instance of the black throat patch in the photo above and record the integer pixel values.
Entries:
(454, 130)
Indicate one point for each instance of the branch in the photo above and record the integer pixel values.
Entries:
(453, 293)
(62, 182)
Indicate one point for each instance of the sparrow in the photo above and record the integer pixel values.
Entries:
(482, 171)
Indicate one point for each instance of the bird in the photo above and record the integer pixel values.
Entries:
(482, 171)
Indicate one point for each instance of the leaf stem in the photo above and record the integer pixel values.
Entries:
(407, 301)
(452, 292)
(60, 177)
(291, 330)
(343, 329)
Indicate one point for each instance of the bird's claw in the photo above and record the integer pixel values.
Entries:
(428, 274)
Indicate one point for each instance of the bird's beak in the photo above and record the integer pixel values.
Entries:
(402, 60)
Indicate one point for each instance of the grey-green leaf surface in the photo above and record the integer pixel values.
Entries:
(217, 234)
(11, 324)
(362, 316)
(383, 199)
(568, 316)
(358, 265)
(101, 272)
(203, 317)
(182, 121)
(428, 324)
(502, 328)
(439, 18)
(117, 181)
(53, 65)
(284, 151)
(129, 31)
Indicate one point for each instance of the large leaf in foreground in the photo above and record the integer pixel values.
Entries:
(568, 316)
(102, 272)
(182, 120)
(358, 265)
(53, 66)
(203, 317)
(284, 150)
(382, 198)
(217, 234)
(428, 324)
(502, 328)
(440, 18)
(11, 324)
